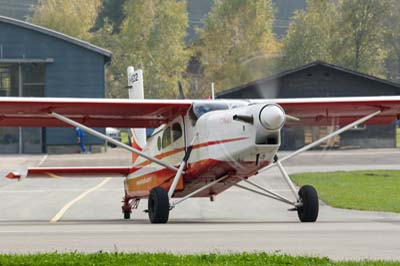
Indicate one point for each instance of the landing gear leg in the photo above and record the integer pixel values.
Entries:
(307, 204)
(307, 198)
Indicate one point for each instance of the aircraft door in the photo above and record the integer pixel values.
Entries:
(173, 142)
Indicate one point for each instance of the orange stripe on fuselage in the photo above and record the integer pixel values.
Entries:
(175, 151)
(135, 145)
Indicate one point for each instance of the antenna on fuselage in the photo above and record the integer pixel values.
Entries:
(181, 93)
(212, 91)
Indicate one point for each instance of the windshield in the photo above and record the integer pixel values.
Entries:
(200, 109)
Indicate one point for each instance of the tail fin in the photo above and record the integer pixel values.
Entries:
(136, 91)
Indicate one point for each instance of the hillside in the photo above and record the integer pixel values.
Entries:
(19, 9)
(198, 10)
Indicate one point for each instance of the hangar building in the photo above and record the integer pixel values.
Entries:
(320, 79)
(38, 62)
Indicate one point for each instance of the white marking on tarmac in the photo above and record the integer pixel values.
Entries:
(43, 159)
(72, 202)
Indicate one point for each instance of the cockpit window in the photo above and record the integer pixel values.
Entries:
(159, 143)
(200, 108)
(176, 131)
(166, 138)
(238, 105)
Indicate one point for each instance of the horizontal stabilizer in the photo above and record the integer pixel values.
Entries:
(78, 172)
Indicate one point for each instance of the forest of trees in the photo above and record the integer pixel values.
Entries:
(236, 44)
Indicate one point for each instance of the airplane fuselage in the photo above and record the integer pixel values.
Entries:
(228, 138)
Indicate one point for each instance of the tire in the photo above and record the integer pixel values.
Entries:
(158, 206)
(308, 212)
(127, 215)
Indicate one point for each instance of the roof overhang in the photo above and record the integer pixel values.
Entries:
(258, 82)
(58, 35)
(26, 60)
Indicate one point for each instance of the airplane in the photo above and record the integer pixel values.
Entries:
(199, 148)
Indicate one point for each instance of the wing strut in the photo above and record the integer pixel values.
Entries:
(316, 143)
(111, 140)
(298, 203)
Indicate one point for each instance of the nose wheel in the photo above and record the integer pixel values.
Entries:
(308, 210)
(128, 205)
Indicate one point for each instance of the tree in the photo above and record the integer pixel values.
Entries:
(73, 17)
(106, 38)
(345, 32)
(311, 35)
(361, 26)
(112, 13)
(152, 38)
(392, 41)
(237, 44)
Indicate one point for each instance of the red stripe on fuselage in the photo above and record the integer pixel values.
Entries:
(175, 151)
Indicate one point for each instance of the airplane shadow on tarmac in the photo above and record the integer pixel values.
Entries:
(182, 222)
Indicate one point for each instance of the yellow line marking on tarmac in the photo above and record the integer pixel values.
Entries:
(60, 214)
(53, 175)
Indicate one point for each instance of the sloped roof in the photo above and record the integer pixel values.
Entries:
(303, 67)
(57, 35)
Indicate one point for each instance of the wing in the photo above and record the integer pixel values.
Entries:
(58, 172)
(33, 112)
(341, 111)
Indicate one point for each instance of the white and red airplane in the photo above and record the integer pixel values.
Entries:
(200, 147)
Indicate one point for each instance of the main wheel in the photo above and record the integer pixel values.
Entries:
(308, 212)
(158, 206)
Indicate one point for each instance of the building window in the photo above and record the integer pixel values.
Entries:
(33, 78)
(9, 81)
(5, 82)
(24, 80)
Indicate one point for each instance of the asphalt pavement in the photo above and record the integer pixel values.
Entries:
(84, 214)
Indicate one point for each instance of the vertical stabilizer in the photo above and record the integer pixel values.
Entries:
(136, 92)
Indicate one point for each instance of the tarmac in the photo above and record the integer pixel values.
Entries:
(84, 214)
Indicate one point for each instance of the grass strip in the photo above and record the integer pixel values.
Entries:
(122, 259)
(362, 190)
